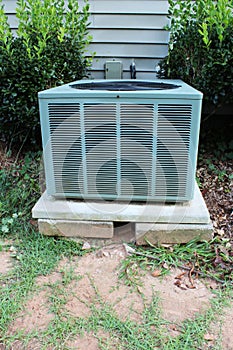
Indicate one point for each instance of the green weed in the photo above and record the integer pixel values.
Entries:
(34, 254)
(150, 333)
(207, 258)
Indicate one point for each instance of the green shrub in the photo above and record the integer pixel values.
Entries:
(200, 47)
(49, 50)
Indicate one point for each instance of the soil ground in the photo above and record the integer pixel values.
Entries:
(98, 272)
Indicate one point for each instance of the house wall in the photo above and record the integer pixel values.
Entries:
(123, 30)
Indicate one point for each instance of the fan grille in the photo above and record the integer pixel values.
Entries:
(124, 86)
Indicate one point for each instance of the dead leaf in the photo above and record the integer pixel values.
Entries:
(220, 232)
(219, 261)
(178, 284)
(190, 275)
(33, 222)
(156, 273)
(178, 277)
(190, 286)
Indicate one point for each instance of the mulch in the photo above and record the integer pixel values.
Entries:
(216, 188)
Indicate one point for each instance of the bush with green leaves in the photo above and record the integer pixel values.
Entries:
(200, 47)
(49, 50)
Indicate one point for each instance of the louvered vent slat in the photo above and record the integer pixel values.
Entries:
(136, 148)
(101, 148)
(173, 149)
(64, 122)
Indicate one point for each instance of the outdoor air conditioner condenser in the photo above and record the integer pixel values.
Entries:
(121, 140)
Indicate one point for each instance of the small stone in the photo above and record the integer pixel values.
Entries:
(102, 253)
(106, 254)
(12, 249)
(99, 254)
(165, 265)
(209, 337)
(86, 246)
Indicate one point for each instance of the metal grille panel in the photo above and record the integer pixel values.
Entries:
(173, 146)
(101, 148)
(121, 150)
(64, 122)
(136, 144)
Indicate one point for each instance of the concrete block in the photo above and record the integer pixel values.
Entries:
(69, 228)
(152, 222)
(172, 233)
(124, 233)
(193, 212)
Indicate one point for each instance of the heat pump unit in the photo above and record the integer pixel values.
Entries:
(121, 140)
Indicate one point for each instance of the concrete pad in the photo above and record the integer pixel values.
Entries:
(193, 212)
(172, 233)
(69, 228)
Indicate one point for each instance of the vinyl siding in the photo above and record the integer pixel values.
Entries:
(122, 30)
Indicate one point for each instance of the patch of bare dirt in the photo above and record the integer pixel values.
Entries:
(89, 341)
(102, 272)
(177, 303)
(6, 262)
(227, 329)
(34, 316)
(49, 279)
(83, 295)
(85, 341)
(33, 344)
(98, 277)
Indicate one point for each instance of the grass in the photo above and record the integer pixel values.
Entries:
(37, 255)
(112, 332)
(199, 255)
(34, 254)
